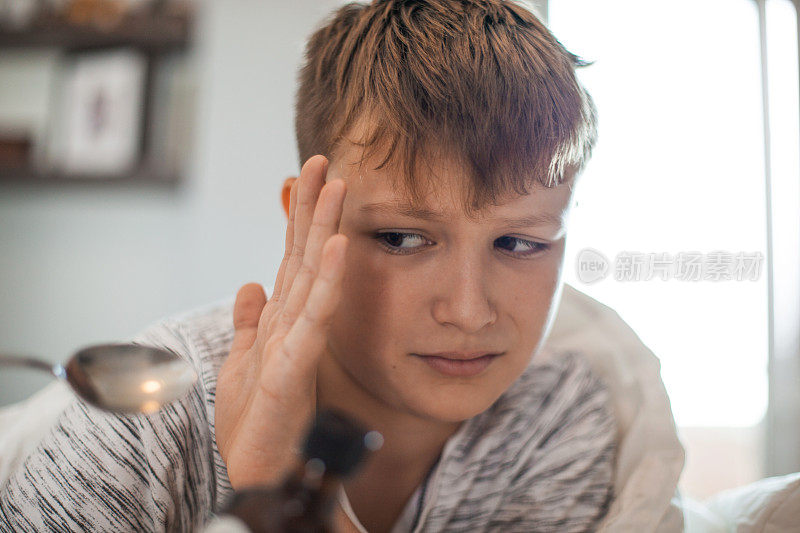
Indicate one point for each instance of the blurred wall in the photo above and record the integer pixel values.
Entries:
(82, 264)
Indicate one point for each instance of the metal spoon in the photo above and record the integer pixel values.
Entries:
(122, 378)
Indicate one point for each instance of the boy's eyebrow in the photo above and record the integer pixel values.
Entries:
(404, 209)
(409, 210)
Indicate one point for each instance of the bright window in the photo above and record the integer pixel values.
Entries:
(679, 168)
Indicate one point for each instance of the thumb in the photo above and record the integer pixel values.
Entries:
(250, 301)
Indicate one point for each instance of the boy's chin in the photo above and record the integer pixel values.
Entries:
(449, 411)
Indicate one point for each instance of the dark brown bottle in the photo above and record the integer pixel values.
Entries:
(304, 502)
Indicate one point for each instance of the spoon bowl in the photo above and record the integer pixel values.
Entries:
(121, 378)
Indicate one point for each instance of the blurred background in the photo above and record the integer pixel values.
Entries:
(143, 145)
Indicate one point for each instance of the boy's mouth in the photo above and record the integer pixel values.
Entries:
(459, 364)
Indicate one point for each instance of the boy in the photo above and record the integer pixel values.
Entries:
(421, 276)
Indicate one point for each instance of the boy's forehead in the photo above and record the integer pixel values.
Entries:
(382, 191)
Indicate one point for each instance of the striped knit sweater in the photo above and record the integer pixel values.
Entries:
(539, 459)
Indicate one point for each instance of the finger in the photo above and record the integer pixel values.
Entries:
(324, 225)
(250, 301)
(305, 342)
(311, 180)
(287, 251)
(275, 299)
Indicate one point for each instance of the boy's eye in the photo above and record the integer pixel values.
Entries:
(404, 243)
(400, 243)
(521, 247)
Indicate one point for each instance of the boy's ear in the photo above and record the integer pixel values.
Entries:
(285, 191)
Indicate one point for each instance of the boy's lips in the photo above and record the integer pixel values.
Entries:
(459, 356)
(459, 364)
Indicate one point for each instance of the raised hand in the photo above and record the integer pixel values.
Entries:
(266, 389)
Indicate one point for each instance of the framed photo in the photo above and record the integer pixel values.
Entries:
(98, 122)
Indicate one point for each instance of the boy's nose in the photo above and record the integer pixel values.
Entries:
(462, 299)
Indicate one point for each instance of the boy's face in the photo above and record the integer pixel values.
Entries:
(415, 286)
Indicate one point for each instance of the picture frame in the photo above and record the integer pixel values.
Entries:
(97, 121)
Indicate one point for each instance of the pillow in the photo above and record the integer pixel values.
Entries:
(697, 518)
(771, 505)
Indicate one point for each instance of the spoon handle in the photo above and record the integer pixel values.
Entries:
(28, 362)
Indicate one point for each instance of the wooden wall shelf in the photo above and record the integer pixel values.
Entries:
(143, 177)
(155, 34)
